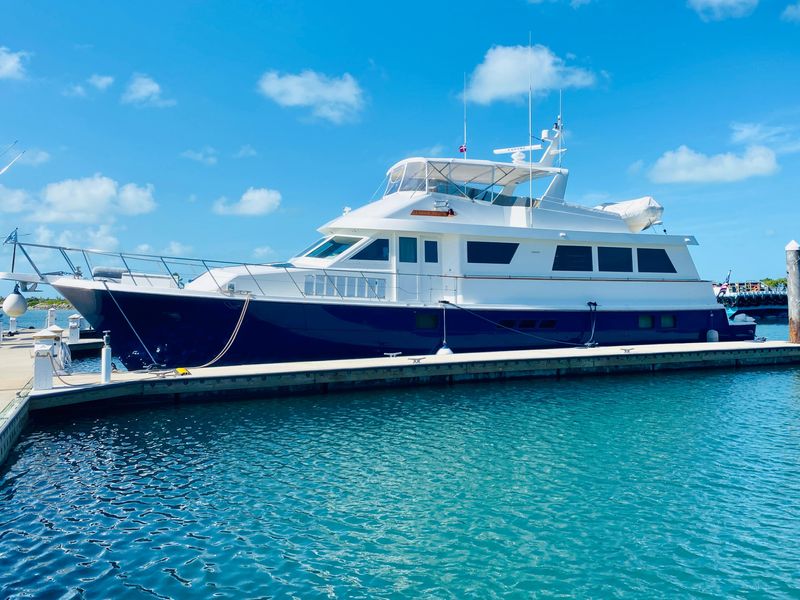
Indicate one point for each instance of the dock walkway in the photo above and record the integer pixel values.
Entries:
(282, 379)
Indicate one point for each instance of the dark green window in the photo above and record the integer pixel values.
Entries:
(573, 258)
(645, 321)
(654, 260)
(427, 321)
(616, 260)
(408, 250)
(667, 321)
(377, 250)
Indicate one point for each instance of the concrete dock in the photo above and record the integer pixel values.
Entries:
(281, 379)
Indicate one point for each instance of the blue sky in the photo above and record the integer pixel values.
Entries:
(233, 130)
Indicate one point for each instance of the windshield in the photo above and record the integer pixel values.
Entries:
(332, 247)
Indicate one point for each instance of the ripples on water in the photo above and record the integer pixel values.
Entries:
(675, 484)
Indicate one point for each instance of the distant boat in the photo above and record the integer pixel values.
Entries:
(754, 299)
(456, 252)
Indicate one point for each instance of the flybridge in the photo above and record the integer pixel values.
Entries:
(491, 181)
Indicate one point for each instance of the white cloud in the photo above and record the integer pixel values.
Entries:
(783, 140)
(246, 151)
(144, 249)
(11, 64)
(684, 165)
(13, 201)
(255, 201)
(176, 249)
(263, 252)
(143, 90)
(74, 91)
(430, 151)
(34, 157)
(94, 199)
(791, 13)
(635, 167)
(206, 156)
(336, 99)
(136, 200)
(717, 10)
(101, 82)
(102, 238)
(504, 74)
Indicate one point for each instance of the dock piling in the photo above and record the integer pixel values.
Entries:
(793, 289)
(12, 325)
(105, 358)
(74, 330)
(51, 317)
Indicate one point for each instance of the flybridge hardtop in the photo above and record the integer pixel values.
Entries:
(466, 253)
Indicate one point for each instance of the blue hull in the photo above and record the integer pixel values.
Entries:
(185, 331)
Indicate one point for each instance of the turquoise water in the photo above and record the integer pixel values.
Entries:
(665, 485)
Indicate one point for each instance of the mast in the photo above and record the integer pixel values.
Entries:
(530, 134)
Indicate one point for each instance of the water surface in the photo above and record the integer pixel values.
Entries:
(666, 485)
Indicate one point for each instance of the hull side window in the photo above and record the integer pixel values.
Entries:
(377, 250)
(654, 260)
(492, 253)
(615, 260)
(573, 258)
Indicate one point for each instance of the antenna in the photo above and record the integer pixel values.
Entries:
(8, 166)
(465, 115)
(560, 127)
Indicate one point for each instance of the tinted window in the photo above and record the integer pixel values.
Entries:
(573, 258)
(332, 247)
(493, 253)
(654, 260)
(408, 250)
(431, 251)
(667, 321)
(645, 321)
(618, 260)
(377, 250)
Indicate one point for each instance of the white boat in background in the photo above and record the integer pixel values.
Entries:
(456, 249)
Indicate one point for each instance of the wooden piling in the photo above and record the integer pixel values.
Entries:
(793, 289)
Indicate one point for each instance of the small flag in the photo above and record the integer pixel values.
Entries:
(462, 148)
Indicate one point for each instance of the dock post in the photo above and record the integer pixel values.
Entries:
(74, 335)
(105, 358)
(42, 367)
(51, 317)
(12, 325)
(793, 289)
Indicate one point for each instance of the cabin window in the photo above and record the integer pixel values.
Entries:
(573, 258)
(667, 321)
(332, 247)
(616, 260)
(377, 250)
(645, 321)
(431, 251)
(654, 260)
(492, 253)
(547, 324)
(408, 250)
(527, 324)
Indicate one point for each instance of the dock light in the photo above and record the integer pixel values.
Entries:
(15, 305)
